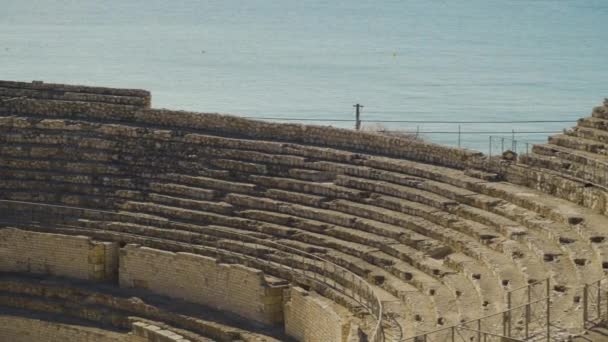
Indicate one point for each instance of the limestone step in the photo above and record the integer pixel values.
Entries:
(458, 241)
(569, 154)
(427, 312)
(141, 207)
(600, 112)
(578, 143)
(593, 122)
(319, 189)
(589, 133)
(404, 271)
(486, 281)
(229, 251)
(130, 226)
(391, 189)
(565, 166)
(428, 245)
(585, 256)
(319, 241)
(274, 232)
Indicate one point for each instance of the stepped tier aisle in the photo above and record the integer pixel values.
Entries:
(291, 232)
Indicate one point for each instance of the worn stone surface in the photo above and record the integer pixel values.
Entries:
(309, 317)
(22, 329)
(202, 280)
(77, 257)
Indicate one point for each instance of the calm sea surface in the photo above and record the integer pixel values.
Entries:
(403, 60)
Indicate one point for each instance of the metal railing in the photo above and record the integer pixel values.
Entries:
(595, 303)
(528, 320)
(587, 169)
(311, 266)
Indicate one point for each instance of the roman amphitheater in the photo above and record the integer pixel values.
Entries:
(120, 222)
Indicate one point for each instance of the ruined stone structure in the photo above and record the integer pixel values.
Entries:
(119, 222)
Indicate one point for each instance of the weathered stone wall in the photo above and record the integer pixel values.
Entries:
(154, 333)
(310, 317)
(58, 255)
(233, 126)
(198, 279)
(117, 308)
(21, 329)
(63, 92)
(563, 187)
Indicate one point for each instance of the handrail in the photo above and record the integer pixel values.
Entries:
(589, 290)
(528, 285)
(506, 316)
(373, 304)
(462, 325)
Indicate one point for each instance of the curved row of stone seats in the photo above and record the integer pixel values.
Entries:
(574, 165)
(14, 91)
(233, 163)
(193, 234)
(489, 230)
(113, 314)
(434, 320)
(225, 125)
(219, 248)
(142, 209)
(580, 152)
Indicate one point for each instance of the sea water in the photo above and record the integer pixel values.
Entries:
(406, 60)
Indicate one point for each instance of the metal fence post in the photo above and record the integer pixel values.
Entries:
(508, 334)
(453, 333)
(599, 300)
(548, 311)
(585, 304)
(528, 312)
(490, 152)
(458, 135)
(352, 284)
(479, 330)
(513, 142)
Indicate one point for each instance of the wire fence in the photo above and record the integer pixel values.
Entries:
(595, 303)
(471, 134)
(527, 317)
